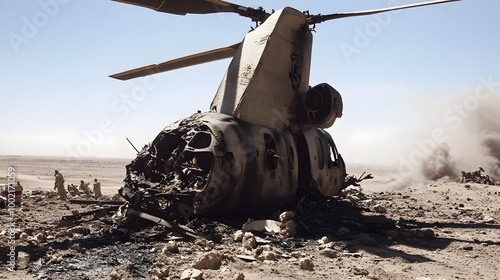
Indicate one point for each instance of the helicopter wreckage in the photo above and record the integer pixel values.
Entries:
(263, 139)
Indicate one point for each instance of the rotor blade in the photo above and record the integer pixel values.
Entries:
(183, 7)
(182, 62)
(321, 18)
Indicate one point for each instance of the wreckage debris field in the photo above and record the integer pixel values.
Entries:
(442, 230)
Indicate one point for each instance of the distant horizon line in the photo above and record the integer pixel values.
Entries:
(130, 159)
(63, 157)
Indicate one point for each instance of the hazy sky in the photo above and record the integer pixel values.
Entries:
(57, 98)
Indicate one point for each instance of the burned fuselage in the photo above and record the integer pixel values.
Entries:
(215, 164)
(263, 138)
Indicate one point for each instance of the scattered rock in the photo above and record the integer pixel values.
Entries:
(208, 261)
(379, 209)
(324, 240)
(23, 235)
(171, 247)
(306, 264)
(206, 244)
(238, 236)
(268, 256)
(329, 253)
(239, 276)
(289, 229)
(267, 253)
(188, 250)
(488, 220)
(360, 271)
(158, 270)
(329, 245)
(192, 274)
(122, 272)
(287, 216)
(23, 260)
(248, 241)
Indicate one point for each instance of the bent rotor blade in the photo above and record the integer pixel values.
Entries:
(321, 18)
(182, 62)
(183, 7)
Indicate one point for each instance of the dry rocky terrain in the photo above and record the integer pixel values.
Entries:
(444, 230)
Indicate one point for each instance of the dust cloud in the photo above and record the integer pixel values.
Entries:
(491, 143)
(438, 164)
(465, 135)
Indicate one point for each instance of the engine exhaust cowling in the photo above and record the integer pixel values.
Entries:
(323, 105)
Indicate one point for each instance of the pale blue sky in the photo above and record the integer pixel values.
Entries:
(55, 61)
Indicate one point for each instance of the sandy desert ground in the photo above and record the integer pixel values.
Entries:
(424, 230)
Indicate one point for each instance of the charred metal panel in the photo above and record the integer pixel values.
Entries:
(267, 178)
(215, 165)
(327, 167)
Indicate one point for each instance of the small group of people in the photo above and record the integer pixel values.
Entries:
(73, 190)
